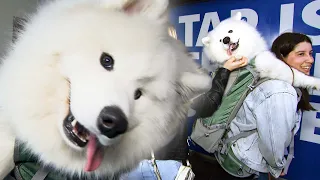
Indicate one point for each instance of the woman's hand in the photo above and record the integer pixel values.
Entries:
(233, 63)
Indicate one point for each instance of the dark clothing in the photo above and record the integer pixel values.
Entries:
(263, 176)
(206, 104)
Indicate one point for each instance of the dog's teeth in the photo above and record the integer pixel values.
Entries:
(87, 137)
(82, 139)
(73, 123)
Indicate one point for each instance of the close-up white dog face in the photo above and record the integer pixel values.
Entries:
(97, 85)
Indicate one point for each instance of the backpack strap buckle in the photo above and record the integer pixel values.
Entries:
(224, 148)
(251, 87)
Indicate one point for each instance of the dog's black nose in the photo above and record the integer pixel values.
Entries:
(226, 40)
(112, 121)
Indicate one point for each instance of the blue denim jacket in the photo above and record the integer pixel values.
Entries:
(271, 108)
(168, 170)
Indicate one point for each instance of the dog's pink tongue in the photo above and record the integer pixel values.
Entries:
(229, 51)
(94, 155)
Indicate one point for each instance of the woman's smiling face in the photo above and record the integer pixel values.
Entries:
(301, 57)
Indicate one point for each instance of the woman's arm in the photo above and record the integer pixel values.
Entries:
(206, 104)
(276, 116)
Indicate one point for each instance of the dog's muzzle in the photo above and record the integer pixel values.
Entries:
(232, 46)
(112, 121)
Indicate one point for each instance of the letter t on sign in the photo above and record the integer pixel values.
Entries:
(188, 20)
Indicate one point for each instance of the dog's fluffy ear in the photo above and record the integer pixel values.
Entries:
(237, 16)
(153, 9)
(206, 41)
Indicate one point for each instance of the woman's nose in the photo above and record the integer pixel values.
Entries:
(310, 59)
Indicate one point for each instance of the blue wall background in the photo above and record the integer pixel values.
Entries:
(271, 18)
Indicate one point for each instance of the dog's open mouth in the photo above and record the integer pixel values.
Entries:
(75, 132)
(232, 47)
(81, 137)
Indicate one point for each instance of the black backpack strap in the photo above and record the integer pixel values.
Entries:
(9, 177)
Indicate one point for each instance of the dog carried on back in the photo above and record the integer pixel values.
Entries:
(91, 87)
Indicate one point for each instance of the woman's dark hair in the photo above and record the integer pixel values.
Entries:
(281, 47)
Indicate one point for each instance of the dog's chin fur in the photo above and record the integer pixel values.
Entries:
(55, 65)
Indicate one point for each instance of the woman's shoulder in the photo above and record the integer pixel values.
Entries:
(270, 87)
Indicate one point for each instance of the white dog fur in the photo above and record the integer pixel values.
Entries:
(252, 44)
(57, 56)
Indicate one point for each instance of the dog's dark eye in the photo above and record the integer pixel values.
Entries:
(220, 40)
(106, 61)
(137, 94)
(230, 31)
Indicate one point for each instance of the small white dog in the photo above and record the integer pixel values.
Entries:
(91, 87)
(234, 37)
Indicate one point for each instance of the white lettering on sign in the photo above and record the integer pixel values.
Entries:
(310, 123)
(209, 18)
(311, 18)
(286, 18)
(188, 21)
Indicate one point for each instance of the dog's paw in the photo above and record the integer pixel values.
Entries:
(308, 82)
(316, 84)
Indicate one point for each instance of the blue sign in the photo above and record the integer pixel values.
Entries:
(193, 21)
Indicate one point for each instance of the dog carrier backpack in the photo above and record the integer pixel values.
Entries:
(211, 133)
(28, 168)
(208, 132)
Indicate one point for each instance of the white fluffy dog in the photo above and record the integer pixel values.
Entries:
(93, 86)
(234, 37)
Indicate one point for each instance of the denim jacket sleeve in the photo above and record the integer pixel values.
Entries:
(275, 115)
